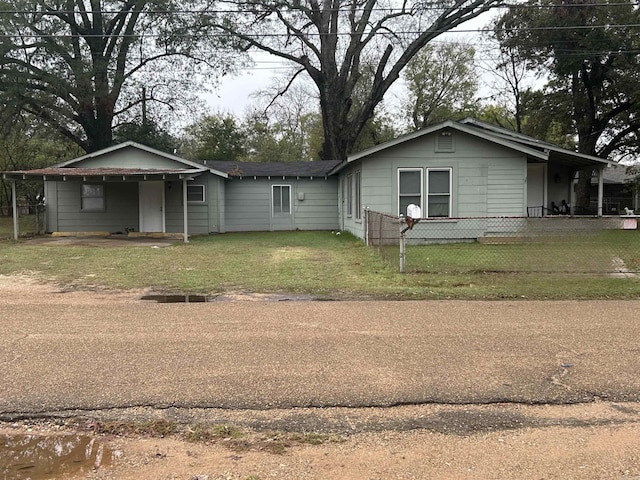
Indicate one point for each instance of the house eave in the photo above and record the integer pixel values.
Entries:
(103, 174)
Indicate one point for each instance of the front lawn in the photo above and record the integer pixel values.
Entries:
(318, 263)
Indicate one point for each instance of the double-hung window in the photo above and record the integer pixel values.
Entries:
(438, 192)
(92, 198)
(281, 199)
(409, 188)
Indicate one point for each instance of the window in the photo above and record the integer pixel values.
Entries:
(358, 200)
(349, 195)
(195, 194)
(281, 199)
(409, 188)
(438, 192)
(92, 198)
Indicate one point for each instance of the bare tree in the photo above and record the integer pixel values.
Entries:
(79, 65)
(333, 41)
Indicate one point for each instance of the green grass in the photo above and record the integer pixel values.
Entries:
(313, 263)
(584, 253)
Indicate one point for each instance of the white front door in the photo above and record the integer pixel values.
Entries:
(151, 200)
(536, 187)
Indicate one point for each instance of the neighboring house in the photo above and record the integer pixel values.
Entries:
(620, 190)
(451, 170)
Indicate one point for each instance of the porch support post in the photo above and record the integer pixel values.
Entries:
(600, 190)
(185, 212)
(14, 204)
(572, 193)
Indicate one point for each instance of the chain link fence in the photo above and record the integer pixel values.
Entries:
(508, 244)
(31, 220)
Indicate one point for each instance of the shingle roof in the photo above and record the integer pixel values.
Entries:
(275, 169)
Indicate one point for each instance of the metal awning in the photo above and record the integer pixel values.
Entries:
(64, 174)
(103, 174)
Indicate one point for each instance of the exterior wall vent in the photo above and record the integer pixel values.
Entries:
(444, 142)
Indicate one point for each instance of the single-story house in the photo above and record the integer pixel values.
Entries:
(453, 169)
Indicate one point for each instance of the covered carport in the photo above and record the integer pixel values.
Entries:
(105, 176)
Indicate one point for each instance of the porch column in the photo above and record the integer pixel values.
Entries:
(14, 204)
(600, 191)
(572, 193)
(185, 212)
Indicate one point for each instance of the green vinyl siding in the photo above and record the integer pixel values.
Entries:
(486, 179)
(248, 204)
(202, 217)
(130, 157)
(118, 215)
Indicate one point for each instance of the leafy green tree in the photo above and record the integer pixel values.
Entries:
(146, 132)
(269, 140)
(24, 145)
(214, 137)
(442, 84)
(589, 51)
(332, 42)
(78, 65)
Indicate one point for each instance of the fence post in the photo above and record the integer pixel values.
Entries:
(401, 248)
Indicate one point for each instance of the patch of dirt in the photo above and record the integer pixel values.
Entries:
(585, 441)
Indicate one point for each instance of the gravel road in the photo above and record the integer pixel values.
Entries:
(387, 376)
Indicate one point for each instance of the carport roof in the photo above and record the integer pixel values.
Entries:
(105, 174)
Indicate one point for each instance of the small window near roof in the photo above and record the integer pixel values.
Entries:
(92, 198)
(195, 194)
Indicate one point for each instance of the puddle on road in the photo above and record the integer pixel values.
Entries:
(38, 457)
(178, 298)
(269, 297)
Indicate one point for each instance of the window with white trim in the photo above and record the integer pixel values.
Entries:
(358, 206)
(281, 199)
(92, 198)
(349, 195)
(409, 188)
(195, 194)
(438, 192)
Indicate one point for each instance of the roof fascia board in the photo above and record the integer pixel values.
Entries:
(474, 131)
(399, 140)
(520, 137)
(145, 148)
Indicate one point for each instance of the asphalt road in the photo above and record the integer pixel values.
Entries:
(96, 355)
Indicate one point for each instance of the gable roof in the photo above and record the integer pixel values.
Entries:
(122, 146)
(318, 168)
(532, 147)
(68, 168)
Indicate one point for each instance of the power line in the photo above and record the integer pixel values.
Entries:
(318, 34)
(257, 10)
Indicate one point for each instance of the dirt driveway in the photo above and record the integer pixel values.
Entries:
(327, 389)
